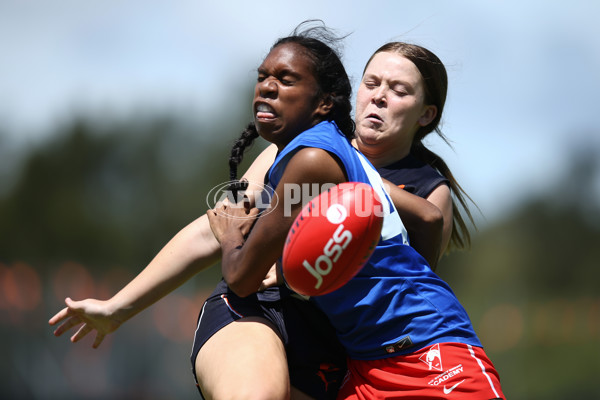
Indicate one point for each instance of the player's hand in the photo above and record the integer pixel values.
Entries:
(272, 279)
(91, 314)
(229, 217)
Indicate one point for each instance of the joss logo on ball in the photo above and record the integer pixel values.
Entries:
(331, 253)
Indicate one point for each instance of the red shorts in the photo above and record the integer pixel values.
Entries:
(440, 371)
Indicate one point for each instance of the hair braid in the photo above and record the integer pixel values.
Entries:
(237, 155)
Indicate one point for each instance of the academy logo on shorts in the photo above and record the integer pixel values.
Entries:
(433, 358)
(444, 376)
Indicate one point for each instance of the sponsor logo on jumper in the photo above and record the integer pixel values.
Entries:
(443, 377)
(449, 390)
(433, 358)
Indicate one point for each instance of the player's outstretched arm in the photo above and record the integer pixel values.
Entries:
(191, 250)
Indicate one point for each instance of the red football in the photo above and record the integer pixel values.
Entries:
(332, 238)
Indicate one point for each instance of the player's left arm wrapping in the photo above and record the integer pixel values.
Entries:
(423, 221)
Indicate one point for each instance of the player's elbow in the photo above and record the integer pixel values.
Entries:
(240, 285)
(241, 290)
(433, 220)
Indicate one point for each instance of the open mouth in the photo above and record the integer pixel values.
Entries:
(374, 118)
(264, 111)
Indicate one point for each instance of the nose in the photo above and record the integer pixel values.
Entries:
(379, 96)
(268, 87)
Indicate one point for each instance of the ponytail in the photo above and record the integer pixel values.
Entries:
(460, 237)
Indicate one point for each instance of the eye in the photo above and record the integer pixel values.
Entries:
(371, 84)
(400, 93)
(400, 90)
(287, 80)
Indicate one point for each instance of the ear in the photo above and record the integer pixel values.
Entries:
(324, 107)
(428, 115)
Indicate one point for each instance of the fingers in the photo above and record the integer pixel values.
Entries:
(75, 314)
(70, 323)
(226, 218)
(247, 204)
(68, 315)
(59, 316)
(80, 334)
(211, 214)
(271, 279)
(235, 210)
(220, 209)
(98, 340)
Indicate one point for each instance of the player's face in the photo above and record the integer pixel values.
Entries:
(285, 96)
(390, 105)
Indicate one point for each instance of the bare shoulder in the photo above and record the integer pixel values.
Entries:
(316, 165)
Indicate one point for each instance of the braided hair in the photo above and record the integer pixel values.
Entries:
(237, 155)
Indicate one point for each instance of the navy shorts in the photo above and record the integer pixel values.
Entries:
(316, 359)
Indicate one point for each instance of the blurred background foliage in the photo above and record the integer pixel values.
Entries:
(86, 209)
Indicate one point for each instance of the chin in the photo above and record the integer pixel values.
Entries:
(368, 139)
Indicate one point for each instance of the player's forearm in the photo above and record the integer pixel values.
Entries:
(423, 220)
(193, 249)
(232, 270)
(245, 266)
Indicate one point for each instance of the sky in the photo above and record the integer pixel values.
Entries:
(523, 75)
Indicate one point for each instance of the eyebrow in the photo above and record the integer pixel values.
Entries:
(392, 81)
(279, 72)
